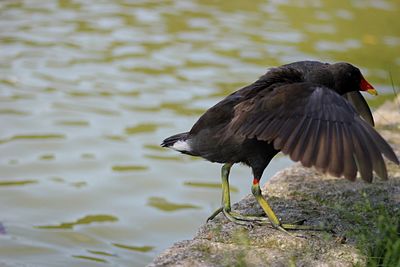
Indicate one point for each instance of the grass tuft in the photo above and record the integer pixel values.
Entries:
(380, 242)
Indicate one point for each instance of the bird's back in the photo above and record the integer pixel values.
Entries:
(209, 139)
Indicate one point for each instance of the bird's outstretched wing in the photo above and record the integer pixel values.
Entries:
(316, 126)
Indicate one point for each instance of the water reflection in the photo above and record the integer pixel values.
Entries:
(142, 128)
(103, 253)
(88, 89)
(90, 258)
(84, 109)
(135, 248)
(165, 205)
(85, 220)
(13, 112)
(128, 168)
(73, 123)
(17, 183)
(47, 157)
(210, 185)
(2, 229)
(157, 157)
(32, 137)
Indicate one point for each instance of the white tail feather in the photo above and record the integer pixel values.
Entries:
(181, 146)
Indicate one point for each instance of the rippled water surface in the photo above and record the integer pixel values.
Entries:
(88, 89)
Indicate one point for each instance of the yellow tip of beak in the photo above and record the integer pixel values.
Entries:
(372, 91)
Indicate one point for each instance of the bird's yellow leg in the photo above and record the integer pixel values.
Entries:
(255, 189)
(226, 202)
(226, 199)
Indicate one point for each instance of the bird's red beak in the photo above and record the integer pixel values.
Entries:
(366, 86)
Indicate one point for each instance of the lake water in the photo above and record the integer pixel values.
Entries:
(88, 90)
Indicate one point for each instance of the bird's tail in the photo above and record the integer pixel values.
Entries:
(170, 141)
(178, 142)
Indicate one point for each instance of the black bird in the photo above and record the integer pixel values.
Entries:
(309, 110)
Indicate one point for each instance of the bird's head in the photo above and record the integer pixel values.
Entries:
(349, 78)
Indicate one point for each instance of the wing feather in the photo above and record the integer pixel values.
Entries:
(359, 103)
(363, 160)
(323, 146)
(284, 133)
(376, 155)
(336, 158)
(296, 133)
(350, 167)
(381, 143)
(298, 140)
(309, 155)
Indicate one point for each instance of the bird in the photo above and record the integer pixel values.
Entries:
(312, 111)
